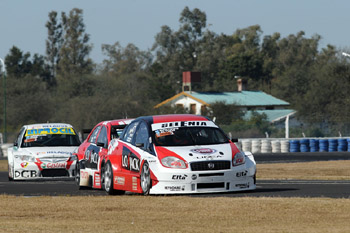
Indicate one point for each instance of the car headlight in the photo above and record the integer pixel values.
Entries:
(173, 162)
(28, 158)
(238, 159)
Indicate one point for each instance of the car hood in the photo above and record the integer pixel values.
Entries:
(197, 153)
(48, 152)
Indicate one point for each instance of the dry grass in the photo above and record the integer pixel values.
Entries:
(186, 214)
(173, 214)
(325, 170)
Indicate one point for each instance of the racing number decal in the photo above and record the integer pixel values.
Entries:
(130, 161)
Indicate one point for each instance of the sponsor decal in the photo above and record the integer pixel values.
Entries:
(134, 183)
(53, 165)
(208, 157)
(84, 175)
(204, 151)
(119, 180)
(242, 186)
(92, 157)
(130, 161)
(24, 165)
(175, 188)
(26, 174)
(59, 152)
(183, 124)
(45, 131)
(179, 177)
(241, 174)
(97, 180)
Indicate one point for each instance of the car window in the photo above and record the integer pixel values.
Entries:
(189, 136)
(19, 137)
(130, 132)
(142, 135)
(102, 137)
(55, 136)
(93, 136)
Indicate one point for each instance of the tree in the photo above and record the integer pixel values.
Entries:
(125, 60)
(75, 48)
(177, 51)
(53, 43)
(17, 63)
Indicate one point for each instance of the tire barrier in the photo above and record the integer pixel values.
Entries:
(323, 145)
(284, 146)
(314, 145)
(332, 145)
(266, 146)
(342, 144)
(294, 146)
(256, 146)
(304, 145)
(246, 145)
(276, 145)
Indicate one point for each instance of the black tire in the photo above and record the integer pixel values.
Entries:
(145, 179)
(102, 172)
(77, 175)
(108, 180)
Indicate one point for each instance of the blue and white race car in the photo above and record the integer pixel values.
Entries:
(43, 151)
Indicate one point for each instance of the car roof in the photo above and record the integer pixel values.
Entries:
(47, 125)
(173, 117)
(116, 122)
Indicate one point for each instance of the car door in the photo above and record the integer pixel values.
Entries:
(91, 155)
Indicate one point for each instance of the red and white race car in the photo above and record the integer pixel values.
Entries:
(176, 154)
(91, 153)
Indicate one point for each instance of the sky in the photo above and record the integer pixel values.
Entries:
(22, 22)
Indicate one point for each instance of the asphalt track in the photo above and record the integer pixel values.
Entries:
(265, 188)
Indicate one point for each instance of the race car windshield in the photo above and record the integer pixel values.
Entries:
(189, 136)
(40, 140)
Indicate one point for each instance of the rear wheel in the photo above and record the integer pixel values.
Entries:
(108, 180)
(145, 179)
(77, 175)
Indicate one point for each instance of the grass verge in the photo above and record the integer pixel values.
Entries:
(173, 214)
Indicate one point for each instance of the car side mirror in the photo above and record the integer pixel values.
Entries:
(139, 145)
(234, 140)
(101, 144)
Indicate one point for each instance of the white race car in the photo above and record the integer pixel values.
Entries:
(176, 154)
(43, 151)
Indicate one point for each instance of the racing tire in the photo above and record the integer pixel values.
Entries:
(103, 177)
(145, 179)
(108, 181)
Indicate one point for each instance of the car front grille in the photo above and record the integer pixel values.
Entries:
(210, 165)
(54, 172)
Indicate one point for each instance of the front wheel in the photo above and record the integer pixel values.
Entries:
(108, 180)
(145, 179)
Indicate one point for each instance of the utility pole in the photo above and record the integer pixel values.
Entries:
(4, 87)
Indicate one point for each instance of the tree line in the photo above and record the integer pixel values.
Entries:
(65, 85)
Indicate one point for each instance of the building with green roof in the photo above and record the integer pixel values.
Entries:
(275, 109)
